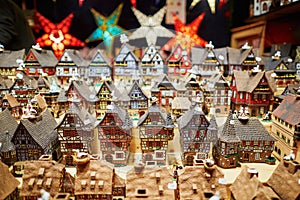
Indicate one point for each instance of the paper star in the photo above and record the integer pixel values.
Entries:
(107, 27)
(151, 27)
(186, 35)
(56, 35)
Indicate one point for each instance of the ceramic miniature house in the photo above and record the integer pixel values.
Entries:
(104, 94)
(253, 90)
(8, 64)
(125, 64)
(68, 66)
(156, 129)
(45, 176)
(10, 103)
(286, 126)
(99, 68)
(115, 133)
(35, 137)
(217, 94)
(178, 63)
(193, 128)
(152, 64)
(40, 61)
(8, 128)
(75, 132)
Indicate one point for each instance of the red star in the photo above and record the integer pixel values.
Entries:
(186, 35)
(56, 35)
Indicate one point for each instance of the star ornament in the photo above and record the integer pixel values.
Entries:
(151, 27)
(107, 27)
(186, 35)
(56, 35)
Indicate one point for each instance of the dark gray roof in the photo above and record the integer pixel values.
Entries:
(43, 130)
(46, 58)
(62, 96)
(29, 81)
(75, 56)
(7, 130)
(5, 83)
(8, 58)
(188, 115)
(229, 131)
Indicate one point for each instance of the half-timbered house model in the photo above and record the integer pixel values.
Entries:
(38, 103)
(285, 180)
(44, 176)
(138, 100)
(51, 96)
(8, 62)
(283, 68)
(115, 133)
(23, 88)
(290, 89)
(245, 139)
(35, 137)
(81, 93)
(99, 68)
(119, 186)
(68, 66)
(247, 59)
(217, 94)
(156, 129)
(164, 91)
(180, 105)
(5, 85)
(150, 182)
(126, 65)
(39, 61)
(286, 126)
(226, 151)
(253, 90)
(62, 102)
(94, 180)
(76, 132)
(105, 95)
(248, 182)
(178, 63)
(196, 143)
(8, 184)
(10, 103)
(199, 182)
(205, 61)
(193, 89)
(152, 64)
(7, 130)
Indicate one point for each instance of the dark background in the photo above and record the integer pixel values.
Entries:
(215, 27)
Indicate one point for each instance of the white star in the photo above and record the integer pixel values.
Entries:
(151, 27)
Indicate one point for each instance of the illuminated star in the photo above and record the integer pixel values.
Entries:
(151, 27)
(56, 35)
(107, 27)
(186, 35)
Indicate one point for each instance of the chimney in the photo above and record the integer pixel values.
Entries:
(252, 172)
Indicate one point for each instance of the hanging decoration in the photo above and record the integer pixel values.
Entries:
(133, 3)
(56, 35)
(107, 28)
(186, 35)
(151, 27)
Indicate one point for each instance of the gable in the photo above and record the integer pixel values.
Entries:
(31, 57)
(98, 58)
(66, 57)
(250, 59)
(130, 57)
(281, 66)
(136, 93)
(23, 137)
(112, 120)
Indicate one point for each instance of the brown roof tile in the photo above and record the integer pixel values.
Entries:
(8, 183)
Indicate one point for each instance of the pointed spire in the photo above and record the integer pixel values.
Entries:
(169, 120)
(213, 124)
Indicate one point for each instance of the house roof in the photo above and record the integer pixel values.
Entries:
(48, 170)
(229, 130)
(8, 183)
(181, 103)
(194, 181)
(42, 130)
(46, 58)
(94, 174)
(8, 58)
(29, 82)
(150, 180)
(284, 182)
(75, 57)
(289, 110)
(184, 120)
(62, 96)
(5, 83)
(251, 186)
(7, 129)
(103, 58)
(84, 91)
(41, 101)
(248, 82)
(11, 100)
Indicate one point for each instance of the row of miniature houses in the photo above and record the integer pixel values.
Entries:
(127, 64)
(98, 180)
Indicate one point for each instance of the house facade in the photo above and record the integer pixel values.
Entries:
(156, 129)
(114, 134)
(138, 100)
(8, 64)
(252, 90)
